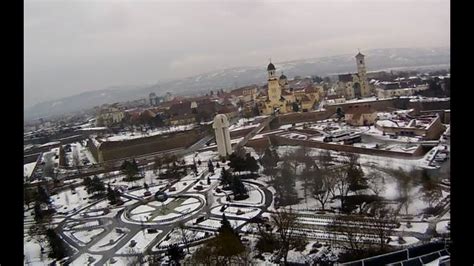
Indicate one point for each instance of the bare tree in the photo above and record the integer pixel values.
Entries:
(342, 184)
(382, 222)
(323, 185)
(348, 232)
(157, 165)
(184, 236)
(405, 183)
(286, 222)
(376, 182)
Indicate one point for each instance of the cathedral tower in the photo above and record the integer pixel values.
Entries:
(274, 89)
(362, 73)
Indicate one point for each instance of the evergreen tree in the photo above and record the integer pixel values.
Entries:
(59, 249)
(295, 107)
(43, 194)
(285, 185)
(269, 161)
(238, 188)
(210, 166)
(112, 195)
(226, 177)
(175, 254)
(237, 163)
(38, 212)
(251, 164)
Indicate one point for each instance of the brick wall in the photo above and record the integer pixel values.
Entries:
(259, 145)
(279, 141)
(93, 149)
(240, 133)
(300, 118)
(114, 150)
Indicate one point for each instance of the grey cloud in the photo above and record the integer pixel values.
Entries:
(75, 46)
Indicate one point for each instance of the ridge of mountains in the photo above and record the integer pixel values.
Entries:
(376, 60)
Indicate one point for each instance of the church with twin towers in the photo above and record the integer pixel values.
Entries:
(282, 98)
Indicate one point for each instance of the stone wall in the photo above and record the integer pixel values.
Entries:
(435, 130)
(292, 118)
(260, 144)
(93, 149)
(240, 133)
(430, 106)
(280, 141)
(29, 158)
(114, 150)
(388, 105)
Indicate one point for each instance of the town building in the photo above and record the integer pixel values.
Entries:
(109, 115)
(429, 127)
(360, 115)
(396, 89)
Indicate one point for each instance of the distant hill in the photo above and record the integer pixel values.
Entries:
(376, 59)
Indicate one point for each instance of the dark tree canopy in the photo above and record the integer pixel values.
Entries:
(210, 166)
(59, 249)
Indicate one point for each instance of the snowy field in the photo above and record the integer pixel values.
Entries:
(67, 200)
(155, 132)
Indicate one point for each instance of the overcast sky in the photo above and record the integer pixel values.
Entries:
(77, 46)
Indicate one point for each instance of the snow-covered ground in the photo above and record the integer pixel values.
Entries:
(410, 240)
(256, 197)
(33, 256)
(85, 236)
(180, 186)
(236, 128)
(415, 227)
(68, 200)
(84, 259)
(441, 227)
(176, 237)
(247, 213)
(108, 241)
(159, 131)
(28, 169)
(209, 223)
(142, 240)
